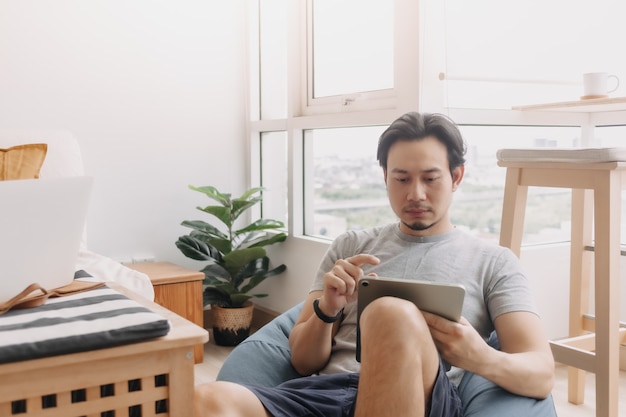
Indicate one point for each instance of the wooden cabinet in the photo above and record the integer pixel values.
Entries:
(179, 290)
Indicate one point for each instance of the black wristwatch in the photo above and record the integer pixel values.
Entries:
(320, 314)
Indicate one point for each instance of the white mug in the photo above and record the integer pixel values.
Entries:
(595, 84)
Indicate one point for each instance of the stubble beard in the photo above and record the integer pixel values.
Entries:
(418, 227)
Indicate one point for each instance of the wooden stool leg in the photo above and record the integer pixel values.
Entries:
(607, 221)
(580, 272)
(513, 211)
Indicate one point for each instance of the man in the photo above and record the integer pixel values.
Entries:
(404, 350)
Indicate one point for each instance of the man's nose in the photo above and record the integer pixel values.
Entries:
(417, 192)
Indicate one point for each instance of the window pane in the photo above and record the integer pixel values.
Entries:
(478, 201)
(273, 58)
(352, 46)
(611, 136)
(349, 191)
(274, 170)
(348, 187)
(535, 51)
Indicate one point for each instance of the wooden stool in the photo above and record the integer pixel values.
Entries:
(596, 177)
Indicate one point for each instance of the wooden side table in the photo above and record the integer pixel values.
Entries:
(179, 290)
(151, 378)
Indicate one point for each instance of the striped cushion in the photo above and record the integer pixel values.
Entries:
(94, 319)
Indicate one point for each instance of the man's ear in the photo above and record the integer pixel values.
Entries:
(385, 176)
(457, 176)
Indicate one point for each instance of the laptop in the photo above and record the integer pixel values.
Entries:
(41, 227)
(442, 299)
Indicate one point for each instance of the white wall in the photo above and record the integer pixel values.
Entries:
(154, 92)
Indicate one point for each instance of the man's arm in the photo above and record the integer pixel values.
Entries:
(311, 338)
(524, 366)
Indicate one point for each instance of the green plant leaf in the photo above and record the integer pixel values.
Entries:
(259, 278)
(227, 287)
(207, 245)
(261, 224)
(213, 193)
(280, 237)
(221, 245)
(240, 206)
(214, 274)
(215, 296)
(238, 300)
(204, 228)
(223, 214)
(193, 248)
(254, 267)
(237, 260)
(250, 192)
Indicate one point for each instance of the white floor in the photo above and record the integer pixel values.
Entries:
(566, 409)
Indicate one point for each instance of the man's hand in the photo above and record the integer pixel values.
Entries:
(311, 338)
(340, 283)
(458, 343)
(523, 366)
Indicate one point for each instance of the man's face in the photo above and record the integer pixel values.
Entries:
(420, 186)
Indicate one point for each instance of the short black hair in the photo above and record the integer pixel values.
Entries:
(417, 126)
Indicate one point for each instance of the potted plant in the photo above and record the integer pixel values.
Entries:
(237, 260)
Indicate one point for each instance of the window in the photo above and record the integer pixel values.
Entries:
(274, 175)
(477, 204)
(534, 51)
(271, 57)
(347, 191)
(351, 55)
(334, 74)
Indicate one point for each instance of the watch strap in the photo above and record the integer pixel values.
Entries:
(320, 314)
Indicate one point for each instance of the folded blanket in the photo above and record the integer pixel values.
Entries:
(102, 268)
(94, 319)
(580, 155)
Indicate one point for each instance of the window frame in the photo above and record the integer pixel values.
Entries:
(424, 68)
(387, 99)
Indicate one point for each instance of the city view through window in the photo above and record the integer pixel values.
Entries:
(350, 192)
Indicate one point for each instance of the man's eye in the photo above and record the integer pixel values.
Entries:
(401, 179)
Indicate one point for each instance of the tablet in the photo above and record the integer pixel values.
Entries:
(442, 299)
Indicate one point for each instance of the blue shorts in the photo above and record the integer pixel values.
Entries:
(335, 396)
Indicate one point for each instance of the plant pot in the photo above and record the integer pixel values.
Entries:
(231, 325)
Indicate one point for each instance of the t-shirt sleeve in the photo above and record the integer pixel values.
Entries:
(509, 288)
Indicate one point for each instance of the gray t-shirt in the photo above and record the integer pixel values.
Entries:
(491, 275)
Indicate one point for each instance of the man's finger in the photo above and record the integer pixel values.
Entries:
(362, 259)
